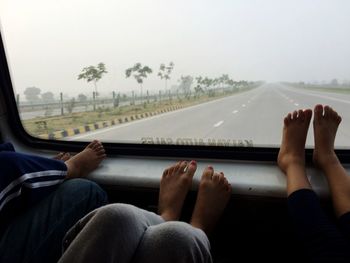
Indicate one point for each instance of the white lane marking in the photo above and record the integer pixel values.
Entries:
(243, 105)
(311, 94)
(296, 104)
(235, 111)
(218, 124)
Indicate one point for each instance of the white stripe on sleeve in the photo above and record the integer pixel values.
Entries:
(27, 176)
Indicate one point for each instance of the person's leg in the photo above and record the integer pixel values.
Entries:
(81, 164)
(108, 234)
(182, 242)
(26, 178)
(320, 238)
(24, 181)
(113, 233)
(214, 192)
(326, 122)
(344, 224)
(36, 235)
(291, 156)
(175, 183)
(62, 156)
(173, 242)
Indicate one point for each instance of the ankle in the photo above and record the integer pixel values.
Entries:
(73, 170)
(291, 163)
(330, 165)
(296, 168)
(325, 160)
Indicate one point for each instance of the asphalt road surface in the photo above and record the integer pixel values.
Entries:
(250, 118)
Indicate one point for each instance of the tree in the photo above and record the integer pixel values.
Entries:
(334, 82)
(185, 84)
(165, 71)
(48, 97)
(207, 82)
(224, 80)
(32, 94)
(139, 72)
(82, 98)
(70, 105)
(199, 87)
(93, 74)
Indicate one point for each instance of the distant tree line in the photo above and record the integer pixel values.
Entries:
(139, 72)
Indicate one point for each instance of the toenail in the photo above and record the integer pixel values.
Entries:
(193, 162)
(185, 169)
(210, 167)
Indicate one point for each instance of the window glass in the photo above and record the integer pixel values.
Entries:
(176, 72)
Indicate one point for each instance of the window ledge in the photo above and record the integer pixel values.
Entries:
(246, 178)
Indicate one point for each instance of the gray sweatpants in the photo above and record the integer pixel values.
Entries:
(125, 233)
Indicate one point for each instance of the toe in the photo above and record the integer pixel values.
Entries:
(287, 119)
(339, 119)
(216, 178)
(92, 144)
(173, 169)
(301, 116)
(183, 167)
(66, 156)
(308, 114)
(318, 110)
(165, 172)
(327, 112)
(192, 166)
(208, 173)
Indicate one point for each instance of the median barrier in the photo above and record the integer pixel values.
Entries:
(102, 124)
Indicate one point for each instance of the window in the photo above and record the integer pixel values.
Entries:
(175, 73)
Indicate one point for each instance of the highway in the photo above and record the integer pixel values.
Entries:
(251, 118)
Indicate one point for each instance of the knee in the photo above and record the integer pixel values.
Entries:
(83, 190)
(175, 242)
(117, 214)
(93, 190)
(181, 234)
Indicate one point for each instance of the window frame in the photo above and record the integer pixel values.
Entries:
(264, 154)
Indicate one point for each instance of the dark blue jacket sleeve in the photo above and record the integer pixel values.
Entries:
(7, 146)
(26, 179)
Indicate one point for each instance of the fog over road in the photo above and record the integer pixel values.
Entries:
(255, 116)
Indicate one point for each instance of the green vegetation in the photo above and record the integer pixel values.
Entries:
(124, 107)
(46, 125)
(139, 72)
(165, 72)
(93, 74)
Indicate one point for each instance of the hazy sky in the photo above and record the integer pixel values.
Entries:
(48, 42)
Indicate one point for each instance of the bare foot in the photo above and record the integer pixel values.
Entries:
(213, 195)
(326, 122)
(62, 157)
(174, 186)
(292, 150)
(81, 164)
